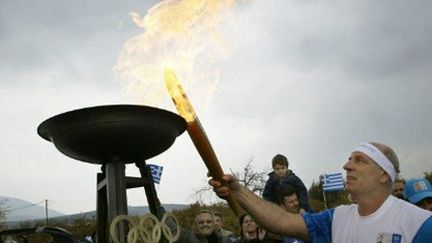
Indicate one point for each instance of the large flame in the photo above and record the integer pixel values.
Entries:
(181, 35)
(185, 35)
(178, 96)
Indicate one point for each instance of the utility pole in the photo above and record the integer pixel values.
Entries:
(46, 212)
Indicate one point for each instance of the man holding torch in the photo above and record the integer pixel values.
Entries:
(377, 215)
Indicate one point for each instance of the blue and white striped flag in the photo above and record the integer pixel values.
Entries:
(332, 182)
(156, 172)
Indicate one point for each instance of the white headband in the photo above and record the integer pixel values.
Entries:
(375, 154)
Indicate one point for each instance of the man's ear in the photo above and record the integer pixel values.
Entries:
(384, 178)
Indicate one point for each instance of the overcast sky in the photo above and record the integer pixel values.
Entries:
(308, 79)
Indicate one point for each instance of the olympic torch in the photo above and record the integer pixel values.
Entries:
(196, 131)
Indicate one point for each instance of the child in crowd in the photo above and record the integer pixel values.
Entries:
(279, 178)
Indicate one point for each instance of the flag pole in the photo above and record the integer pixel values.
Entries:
(323, 191)
(325, 201)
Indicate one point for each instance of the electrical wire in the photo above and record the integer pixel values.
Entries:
(19, 208)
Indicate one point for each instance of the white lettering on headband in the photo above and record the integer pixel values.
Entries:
(376, 155)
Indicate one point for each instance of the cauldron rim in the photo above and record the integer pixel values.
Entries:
(115, 120)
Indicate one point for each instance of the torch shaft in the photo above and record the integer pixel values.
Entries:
(196, 131)
(202, 144)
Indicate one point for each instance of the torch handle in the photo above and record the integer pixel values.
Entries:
(202, 143)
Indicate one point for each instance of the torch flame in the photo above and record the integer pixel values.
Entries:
(184, 35)
(178, 96)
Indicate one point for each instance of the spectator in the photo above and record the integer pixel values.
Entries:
(206, 231)
(281, 177)
(288, 200)
(371, 170)
(250, 232)
(419, 192)
(219, 226)
(399, 188)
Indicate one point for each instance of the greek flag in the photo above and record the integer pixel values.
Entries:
(332, 182)
(156, 172)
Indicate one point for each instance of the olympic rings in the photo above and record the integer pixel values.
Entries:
(167, 230)
(148, 230)
(113, 229)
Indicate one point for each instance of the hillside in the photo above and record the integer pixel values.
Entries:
(132, 210)
(18, 210)
(21, 210)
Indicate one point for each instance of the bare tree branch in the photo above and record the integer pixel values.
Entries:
(248, 176)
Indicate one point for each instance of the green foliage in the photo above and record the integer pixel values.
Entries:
(2, 216)
(315, 191)
(428, 175)
(81, 227)
(316, 199)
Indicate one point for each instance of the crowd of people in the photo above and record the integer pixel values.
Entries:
(415, 191)
(282, 188)
(384, 208)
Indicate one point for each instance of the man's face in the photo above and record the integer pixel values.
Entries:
(218, 222)
(280, 170)
(205, 224)
(398, 189)
(291, 203)
(363, 175)
(426, 203)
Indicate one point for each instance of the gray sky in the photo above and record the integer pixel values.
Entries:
(308, 79)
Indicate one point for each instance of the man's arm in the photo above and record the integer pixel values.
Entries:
(268, 215)
(424, 234)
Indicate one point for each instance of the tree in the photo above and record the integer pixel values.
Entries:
(316, 199)
(428, 175)
(2, 216)
(248, 176)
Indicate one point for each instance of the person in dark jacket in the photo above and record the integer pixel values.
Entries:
(206, 230)
(281, 177)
